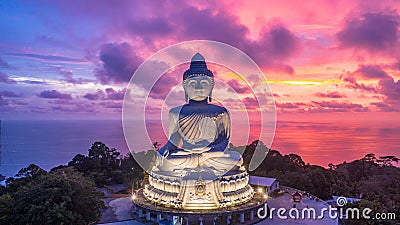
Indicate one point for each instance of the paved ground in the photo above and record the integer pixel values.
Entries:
(120, 209)
(285, 201)
(117, 210)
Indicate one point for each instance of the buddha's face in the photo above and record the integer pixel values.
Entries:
(198, 88)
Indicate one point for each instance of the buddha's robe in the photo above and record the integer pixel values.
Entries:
(204, 131)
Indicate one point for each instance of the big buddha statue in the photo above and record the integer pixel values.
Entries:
(202, 128)
(194, 169)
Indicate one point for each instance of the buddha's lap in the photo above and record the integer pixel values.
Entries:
(225, 157)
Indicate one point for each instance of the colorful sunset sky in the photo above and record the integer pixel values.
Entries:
(73, 59)
(323, 60)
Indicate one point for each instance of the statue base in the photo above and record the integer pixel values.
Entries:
(198, 188)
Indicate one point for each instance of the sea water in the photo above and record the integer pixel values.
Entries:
(49, 143)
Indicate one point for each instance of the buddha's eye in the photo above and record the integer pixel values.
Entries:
(204, 83)
(192, 84)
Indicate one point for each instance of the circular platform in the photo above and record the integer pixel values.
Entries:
(240, 214)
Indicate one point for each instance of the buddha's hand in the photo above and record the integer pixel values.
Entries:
(200, 150)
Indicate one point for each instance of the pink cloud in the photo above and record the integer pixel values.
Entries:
(290, 105)
(333, 94)
(340, 106)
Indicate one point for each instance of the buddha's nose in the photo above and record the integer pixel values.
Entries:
(198, 86)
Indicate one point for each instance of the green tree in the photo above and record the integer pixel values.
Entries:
(62, 196)
(102, 164)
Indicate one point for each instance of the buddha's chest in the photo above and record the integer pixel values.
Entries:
(197, 127)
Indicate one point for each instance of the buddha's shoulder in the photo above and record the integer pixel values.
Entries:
(209, 107)
(217, 108)
(176, 110)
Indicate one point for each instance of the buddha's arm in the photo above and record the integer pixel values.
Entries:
(224, 129)
(174, 136)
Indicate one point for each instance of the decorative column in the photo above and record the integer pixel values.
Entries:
(251, 215)
(158, 218)
(148, 216)
(228, 220)
(201, 220)
(242, 217)
(187, 220)
(140, 212)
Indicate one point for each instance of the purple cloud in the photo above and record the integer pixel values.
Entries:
(208, 24)
(390, 88)
(10, 94)
(51, 57)
(109, 94)
(55, 94)
(68, 76)
(386, 85)
(3, 102)
(112, 104)
(339, 105)
(386, 106)
(164, 85)
(150, 27)
(290, 105)
(371, 31)
(251, 103)
(4, 78)
(238, 88)
(115, 95)
(351, 82)
(119, 63)
(333, 94)
(372, 71)
(4, 64)
(278, 42)
(94, 96)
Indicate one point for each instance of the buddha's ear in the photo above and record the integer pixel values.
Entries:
(209, 98)
(186, 97)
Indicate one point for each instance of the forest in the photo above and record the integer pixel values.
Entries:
(69, 194)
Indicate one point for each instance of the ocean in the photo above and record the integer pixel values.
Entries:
(49, 143)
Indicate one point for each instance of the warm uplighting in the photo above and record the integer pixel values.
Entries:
(260, 190)
(265, 196)
(133, 197)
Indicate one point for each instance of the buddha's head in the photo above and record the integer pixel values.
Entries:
(198, 81)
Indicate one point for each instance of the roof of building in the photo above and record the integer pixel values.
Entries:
(261, 181)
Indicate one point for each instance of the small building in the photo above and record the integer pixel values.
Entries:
(297, 196)
(264, 184)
